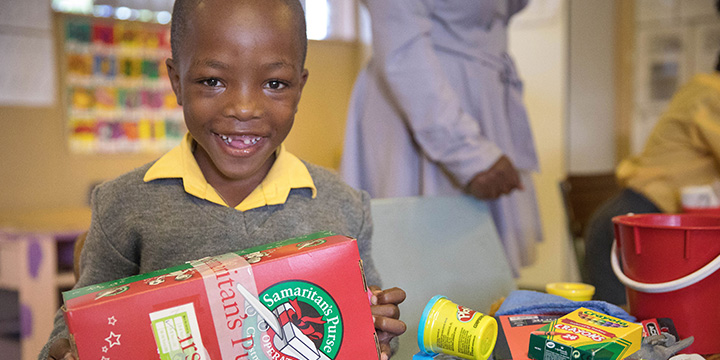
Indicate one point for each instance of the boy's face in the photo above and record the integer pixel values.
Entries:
(239, 77)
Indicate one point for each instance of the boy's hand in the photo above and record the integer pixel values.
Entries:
(386, 315)
(61, 350)
(500, 179)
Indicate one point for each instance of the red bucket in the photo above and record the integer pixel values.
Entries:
(714, 211)
(670, 269)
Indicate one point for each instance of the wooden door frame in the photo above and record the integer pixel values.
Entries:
(624, 33)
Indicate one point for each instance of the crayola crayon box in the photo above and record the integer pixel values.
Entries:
(585, 334)
(298, 299)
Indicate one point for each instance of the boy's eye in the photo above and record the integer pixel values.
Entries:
(211, 82)
(275, 84)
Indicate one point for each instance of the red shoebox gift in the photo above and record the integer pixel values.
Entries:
(298, 299)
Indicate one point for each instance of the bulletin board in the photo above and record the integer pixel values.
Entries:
(117, 93)
(674, 41)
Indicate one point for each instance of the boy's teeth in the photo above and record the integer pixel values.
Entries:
(226, 139)
(247, 141)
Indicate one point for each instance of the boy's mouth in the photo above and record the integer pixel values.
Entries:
(240, 142)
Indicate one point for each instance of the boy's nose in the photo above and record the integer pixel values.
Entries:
(242, 105)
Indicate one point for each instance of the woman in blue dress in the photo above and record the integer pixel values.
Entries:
(438, 111)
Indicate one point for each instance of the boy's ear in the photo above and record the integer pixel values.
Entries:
(306, 73)
(174, 75)
(303, 81)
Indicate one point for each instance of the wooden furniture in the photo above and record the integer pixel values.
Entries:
(438, 246)
(36, 252)
(582, 195)
(77, 249)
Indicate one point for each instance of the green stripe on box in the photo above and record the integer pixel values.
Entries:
(74, 293)
(313, 236)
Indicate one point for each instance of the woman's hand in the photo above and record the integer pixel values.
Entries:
(500, 179)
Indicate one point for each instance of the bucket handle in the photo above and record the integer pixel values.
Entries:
(673, 285)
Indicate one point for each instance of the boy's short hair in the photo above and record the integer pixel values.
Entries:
(183, 8)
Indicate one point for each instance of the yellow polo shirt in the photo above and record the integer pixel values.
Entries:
(287, 173)
(683, 148)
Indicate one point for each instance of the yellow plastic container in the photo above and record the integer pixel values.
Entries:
(452, 329)
(571, 291)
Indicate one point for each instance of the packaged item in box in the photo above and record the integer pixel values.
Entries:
(657, 326)
(585, 334)
(514, 334)
(298, 299)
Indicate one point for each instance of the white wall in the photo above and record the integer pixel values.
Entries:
(590, 125)
(538, 42)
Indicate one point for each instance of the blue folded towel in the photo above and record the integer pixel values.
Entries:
(533, 302)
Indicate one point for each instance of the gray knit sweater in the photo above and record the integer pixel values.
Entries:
(139, 227)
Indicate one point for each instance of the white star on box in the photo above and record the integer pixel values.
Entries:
(113, 339)
(112, 320)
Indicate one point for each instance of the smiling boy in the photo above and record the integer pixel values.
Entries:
(237, 69)
(239, 101)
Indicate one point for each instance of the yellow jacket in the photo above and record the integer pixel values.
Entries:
(683, 148)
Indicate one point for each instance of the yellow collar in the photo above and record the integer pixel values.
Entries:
(287, 173)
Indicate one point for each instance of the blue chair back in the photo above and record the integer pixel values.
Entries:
(438, 246)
